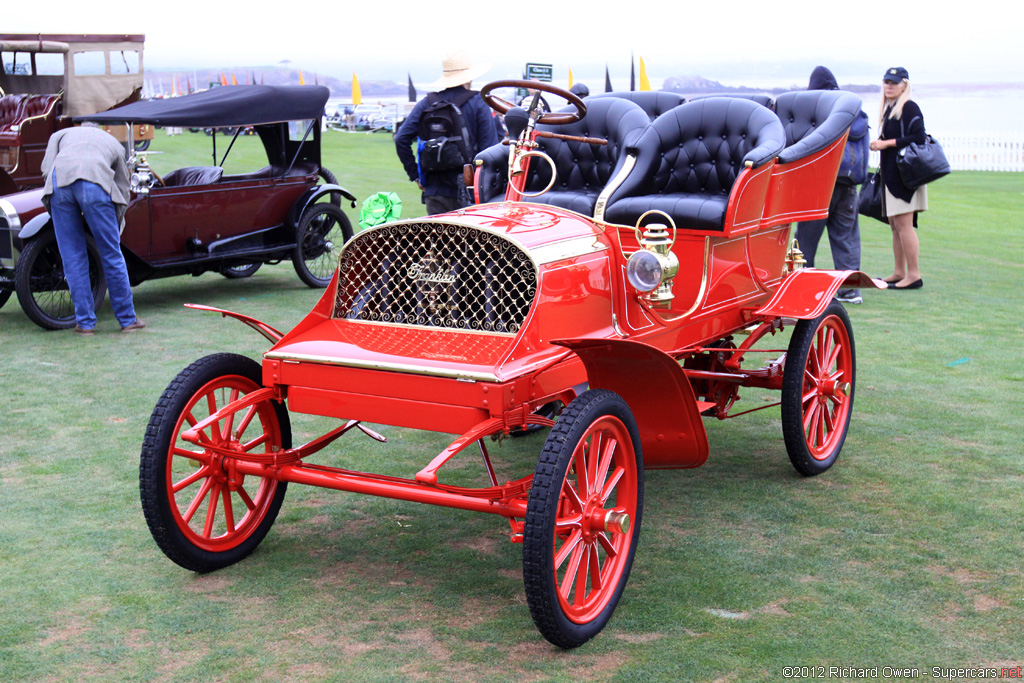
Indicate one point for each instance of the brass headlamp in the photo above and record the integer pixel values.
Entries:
(652, 268)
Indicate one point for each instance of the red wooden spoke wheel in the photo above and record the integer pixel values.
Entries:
(202, 512)
(583, 518)
(817, 390)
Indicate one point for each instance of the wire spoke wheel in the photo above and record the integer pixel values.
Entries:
(42, 289)
(203, 513)
(322, 231)
(817, 390)
(583, 518)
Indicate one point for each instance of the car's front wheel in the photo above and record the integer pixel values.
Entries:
(322, 231)
(42, 289)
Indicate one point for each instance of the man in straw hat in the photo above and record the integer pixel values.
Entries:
(441, 182)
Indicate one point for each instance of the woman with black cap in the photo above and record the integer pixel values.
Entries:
(900, 124)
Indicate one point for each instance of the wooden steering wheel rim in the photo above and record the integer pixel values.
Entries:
(551, 118)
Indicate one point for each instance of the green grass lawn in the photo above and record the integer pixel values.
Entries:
(906, 554)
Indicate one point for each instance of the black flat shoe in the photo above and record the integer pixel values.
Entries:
(916, 284)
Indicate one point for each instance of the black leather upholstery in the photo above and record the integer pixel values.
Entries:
(814, 119)
(654, 102)
(690, 157)
(193, 175)
(582, 169)
(763, 100)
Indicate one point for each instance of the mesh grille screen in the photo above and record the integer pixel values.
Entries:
(436, 275)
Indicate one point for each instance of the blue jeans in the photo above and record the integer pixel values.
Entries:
(843, 231)
(68, 205)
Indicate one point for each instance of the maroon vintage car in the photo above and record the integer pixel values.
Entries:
(485, 322)
(197, 219)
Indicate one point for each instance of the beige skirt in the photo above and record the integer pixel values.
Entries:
(893, 206)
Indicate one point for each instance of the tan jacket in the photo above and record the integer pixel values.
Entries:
(87, 154)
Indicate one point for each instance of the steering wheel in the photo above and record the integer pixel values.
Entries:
(551, 118)
(159, 180)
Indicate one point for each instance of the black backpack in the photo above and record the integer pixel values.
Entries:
(444, 138)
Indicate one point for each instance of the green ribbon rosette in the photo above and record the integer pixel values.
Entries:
(380, 208)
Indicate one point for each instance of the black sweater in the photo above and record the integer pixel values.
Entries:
(905, 130)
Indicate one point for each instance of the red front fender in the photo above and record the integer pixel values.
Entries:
(653, 385)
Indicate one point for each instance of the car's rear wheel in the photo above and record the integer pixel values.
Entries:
(322, 231)
(817, 390)
(240, 271)
(42, 289)
(331, 179)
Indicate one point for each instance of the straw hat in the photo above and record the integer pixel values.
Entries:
(457, 68)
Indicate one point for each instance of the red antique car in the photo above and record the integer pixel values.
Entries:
(197, 219)
(567, 312)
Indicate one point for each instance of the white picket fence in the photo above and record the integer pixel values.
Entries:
(979, 152)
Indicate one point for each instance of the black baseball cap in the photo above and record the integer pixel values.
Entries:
(896, 74)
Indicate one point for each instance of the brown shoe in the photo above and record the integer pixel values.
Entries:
(131, 327)
(84, 330)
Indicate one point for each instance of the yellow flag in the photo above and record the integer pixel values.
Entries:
(302, 81)
(644, 83)
(357, 94)
(570, 79)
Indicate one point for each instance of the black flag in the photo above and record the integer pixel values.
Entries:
(412, 90)
(607, 80)
(632, 74)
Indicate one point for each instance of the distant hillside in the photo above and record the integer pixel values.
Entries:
(168, 81)
(692, 85)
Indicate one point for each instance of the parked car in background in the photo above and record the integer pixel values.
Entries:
(197, 219)
(46, 80)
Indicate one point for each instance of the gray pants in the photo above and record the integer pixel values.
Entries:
(843, 231)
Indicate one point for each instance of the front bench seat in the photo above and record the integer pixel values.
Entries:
(193, 175)
(689, 158)
(582, 169)
(814, 119)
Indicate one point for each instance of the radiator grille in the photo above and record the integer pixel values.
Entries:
(436, 275)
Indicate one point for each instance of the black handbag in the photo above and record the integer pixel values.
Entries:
(869, 203)
(921, 164)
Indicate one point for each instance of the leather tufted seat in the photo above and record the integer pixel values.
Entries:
(193, 175)
(37, 105)
(763, 100)
(814, 119)
(583, 169)
(654, 102)
(689, 159)
(11, 107)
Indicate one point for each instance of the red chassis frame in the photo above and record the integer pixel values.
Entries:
(666, 363)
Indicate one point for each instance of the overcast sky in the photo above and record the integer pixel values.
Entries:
(736, 42)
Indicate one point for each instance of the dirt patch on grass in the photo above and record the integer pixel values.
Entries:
(209, 583)
(486, 545)
(70, 630)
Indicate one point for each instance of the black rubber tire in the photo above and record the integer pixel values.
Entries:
(142, 145)
(539, 534)
(42, 290)
(331, 179)
(240, 272)
(162, 434)
(808, 459)
(322, 231)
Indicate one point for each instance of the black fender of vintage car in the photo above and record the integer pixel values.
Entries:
(34, 226)
(313, 195)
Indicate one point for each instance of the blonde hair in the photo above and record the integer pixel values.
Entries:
(897, 108)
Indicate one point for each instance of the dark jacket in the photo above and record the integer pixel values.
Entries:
(481, 136)
(905, 130)
(823, 79)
